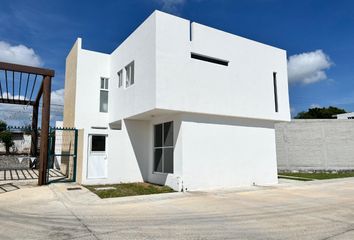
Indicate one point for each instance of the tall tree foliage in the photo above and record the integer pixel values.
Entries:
(320, 113)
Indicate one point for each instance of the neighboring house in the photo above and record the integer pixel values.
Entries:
(177, 103)
(21, 140)
(345, 116)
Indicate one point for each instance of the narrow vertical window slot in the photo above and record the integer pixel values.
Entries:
(275, 91)
(190, 31)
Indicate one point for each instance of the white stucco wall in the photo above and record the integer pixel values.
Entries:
(190, 85)
(225, 152)
(139, 47)
(125, 153)
(122, 164)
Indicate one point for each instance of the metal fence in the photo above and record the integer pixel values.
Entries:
(62, 154)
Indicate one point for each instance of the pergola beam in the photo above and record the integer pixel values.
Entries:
(19, 102)
(26, 69)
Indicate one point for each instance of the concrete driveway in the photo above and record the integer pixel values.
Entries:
(307, 210)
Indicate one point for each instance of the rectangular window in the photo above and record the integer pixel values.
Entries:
(129, 74)
(98, 143)
(163, 147)
(209, 59)
(104, 95)
(120, 78)
(275, 91)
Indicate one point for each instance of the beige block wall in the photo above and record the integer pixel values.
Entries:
(70, 85)
(69, 105)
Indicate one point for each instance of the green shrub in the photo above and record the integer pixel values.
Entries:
(6, 138)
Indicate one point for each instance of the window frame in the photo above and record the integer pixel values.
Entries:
(120, 78)
(163, 147)
(129, 74)
(103, 89)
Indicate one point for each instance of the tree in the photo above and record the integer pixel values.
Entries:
(320, 113)
(3, 126)
(5, 137)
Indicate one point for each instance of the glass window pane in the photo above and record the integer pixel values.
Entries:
(132, 73)
(158, 160)
(103, 101)
(168, 160)
(102, 83)
(98, 143)
(158, 136)
(120, 75)
(168, 134)
(106, 83)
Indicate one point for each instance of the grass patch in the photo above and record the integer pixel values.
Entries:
(128, 189)
(303, 176)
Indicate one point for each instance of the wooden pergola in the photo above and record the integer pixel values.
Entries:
(17, 86)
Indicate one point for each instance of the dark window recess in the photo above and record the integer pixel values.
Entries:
(209, 59)
(275, 91)
(163, 147)
(190, 31)
(98, 143)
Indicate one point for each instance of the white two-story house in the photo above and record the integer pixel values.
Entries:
(178, 104)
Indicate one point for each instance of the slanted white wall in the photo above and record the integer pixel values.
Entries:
(227, 152)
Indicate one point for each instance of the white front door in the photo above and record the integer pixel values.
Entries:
(97, 157)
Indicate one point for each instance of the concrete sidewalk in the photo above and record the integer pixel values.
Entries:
(305, 210)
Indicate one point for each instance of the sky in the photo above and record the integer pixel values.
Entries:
(318, 36)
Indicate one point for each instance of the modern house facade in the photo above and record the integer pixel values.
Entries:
(178, 104)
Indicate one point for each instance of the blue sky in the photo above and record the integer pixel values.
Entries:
(317, 35)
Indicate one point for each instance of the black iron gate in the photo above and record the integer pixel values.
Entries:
(62, 154)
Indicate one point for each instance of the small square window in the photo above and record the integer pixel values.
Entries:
(98, 143)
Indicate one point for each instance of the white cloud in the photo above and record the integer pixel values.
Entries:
(172, 6)
(57, 97)
(19, 54)
(314, 105)
(308, 67)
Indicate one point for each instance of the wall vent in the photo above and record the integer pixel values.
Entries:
(209, 59)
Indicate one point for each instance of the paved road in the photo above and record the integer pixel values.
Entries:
(316, 210)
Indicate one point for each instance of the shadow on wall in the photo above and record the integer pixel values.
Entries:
(233, 121)
(139, 136)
